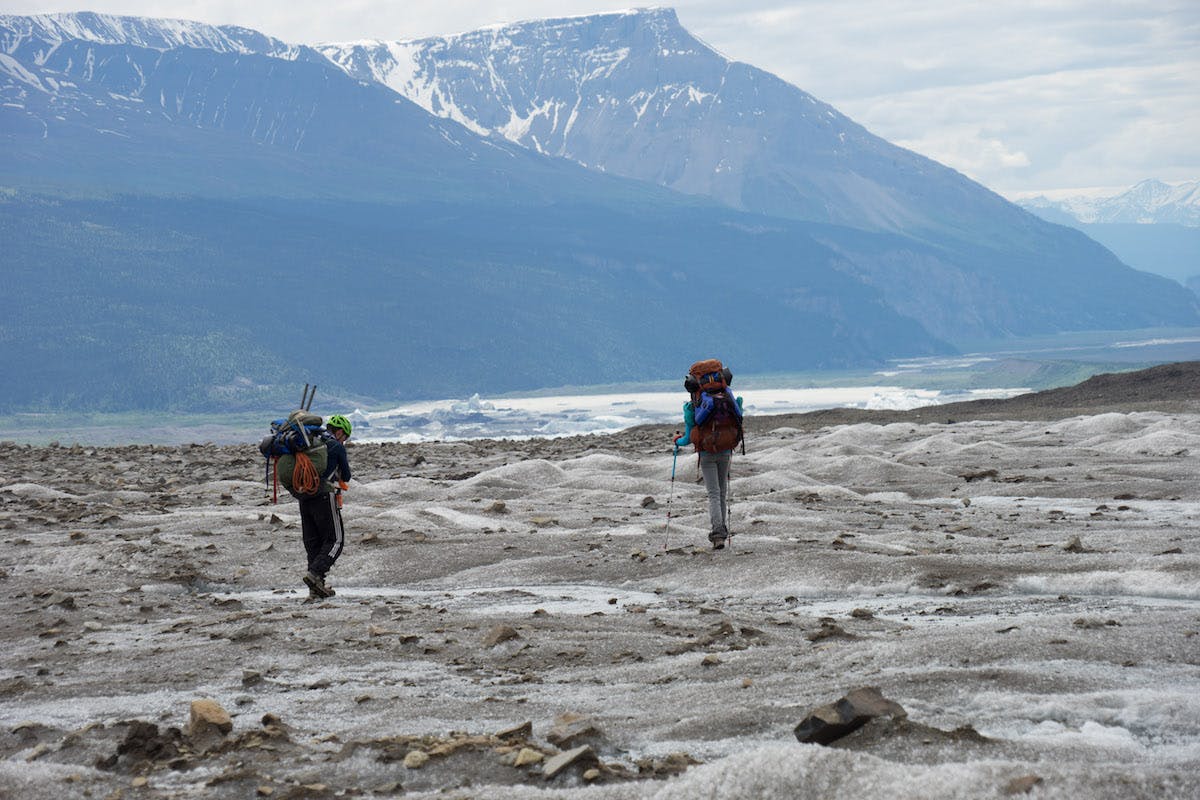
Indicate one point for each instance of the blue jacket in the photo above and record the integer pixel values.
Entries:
(693, 416)
(338, 465)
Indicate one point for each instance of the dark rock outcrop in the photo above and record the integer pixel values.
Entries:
(831, 722)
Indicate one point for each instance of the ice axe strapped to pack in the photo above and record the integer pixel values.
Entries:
(296, 449)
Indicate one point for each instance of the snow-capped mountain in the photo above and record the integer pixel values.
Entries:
(118, 102)
(34, 38)
(1148, 202)
(635, 94)
(185, 173)
(1152, 226)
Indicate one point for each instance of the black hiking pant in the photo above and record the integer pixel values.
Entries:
(321, 524)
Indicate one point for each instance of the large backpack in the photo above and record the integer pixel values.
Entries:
(722, 430)
(708, 375)
(297, 446)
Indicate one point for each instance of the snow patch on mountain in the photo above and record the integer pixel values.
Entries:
(485, 79)
(45, 32)
(13, 68)
(635, 94)
(1148, 202)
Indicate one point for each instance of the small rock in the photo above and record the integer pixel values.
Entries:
(862, 613)
(207, 715)
(829, 630)
(1022, 785)
(1074, 545)
(500, 634)
(831, 722)
(62, 600)
(527, 756)
(519, 732)
(570, 727)
(582, 755)
(416, 759)
(649, 502)
(710, 660)
(498, 507)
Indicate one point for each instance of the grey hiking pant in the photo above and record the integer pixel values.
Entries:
(715, 469)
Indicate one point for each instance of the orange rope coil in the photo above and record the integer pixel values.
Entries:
(305, 479)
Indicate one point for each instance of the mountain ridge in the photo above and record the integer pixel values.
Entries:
(701, 144)
(1147, 202)
(27, 35)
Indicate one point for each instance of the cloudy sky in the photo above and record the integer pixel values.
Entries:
(1023, 96)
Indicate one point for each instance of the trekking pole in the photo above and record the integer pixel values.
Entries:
(311, 397)
(671, 497)
(728, 505)
(303, 397)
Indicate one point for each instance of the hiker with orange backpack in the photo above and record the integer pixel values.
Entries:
(713, 418)
(321, 512)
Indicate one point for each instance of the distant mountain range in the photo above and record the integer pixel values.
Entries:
(1150, 202)
(1153, 226)
(193, 215)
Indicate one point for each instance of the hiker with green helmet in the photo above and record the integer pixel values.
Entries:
(321, 514)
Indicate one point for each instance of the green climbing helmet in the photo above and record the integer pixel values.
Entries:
(338, 421)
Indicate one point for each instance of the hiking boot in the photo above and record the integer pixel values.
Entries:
(718, 537)
(316, 586)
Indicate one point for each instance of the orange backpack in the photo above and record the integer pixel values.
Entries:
(709, 375)
(723, 429)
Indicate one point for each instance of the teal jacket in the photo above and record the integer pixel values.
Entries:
(689, 420)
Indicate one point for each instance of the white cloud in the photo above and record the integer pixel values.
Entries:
(968, 150)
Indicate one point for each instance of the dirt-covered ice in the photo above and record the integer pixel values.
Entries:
(1028, 591)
